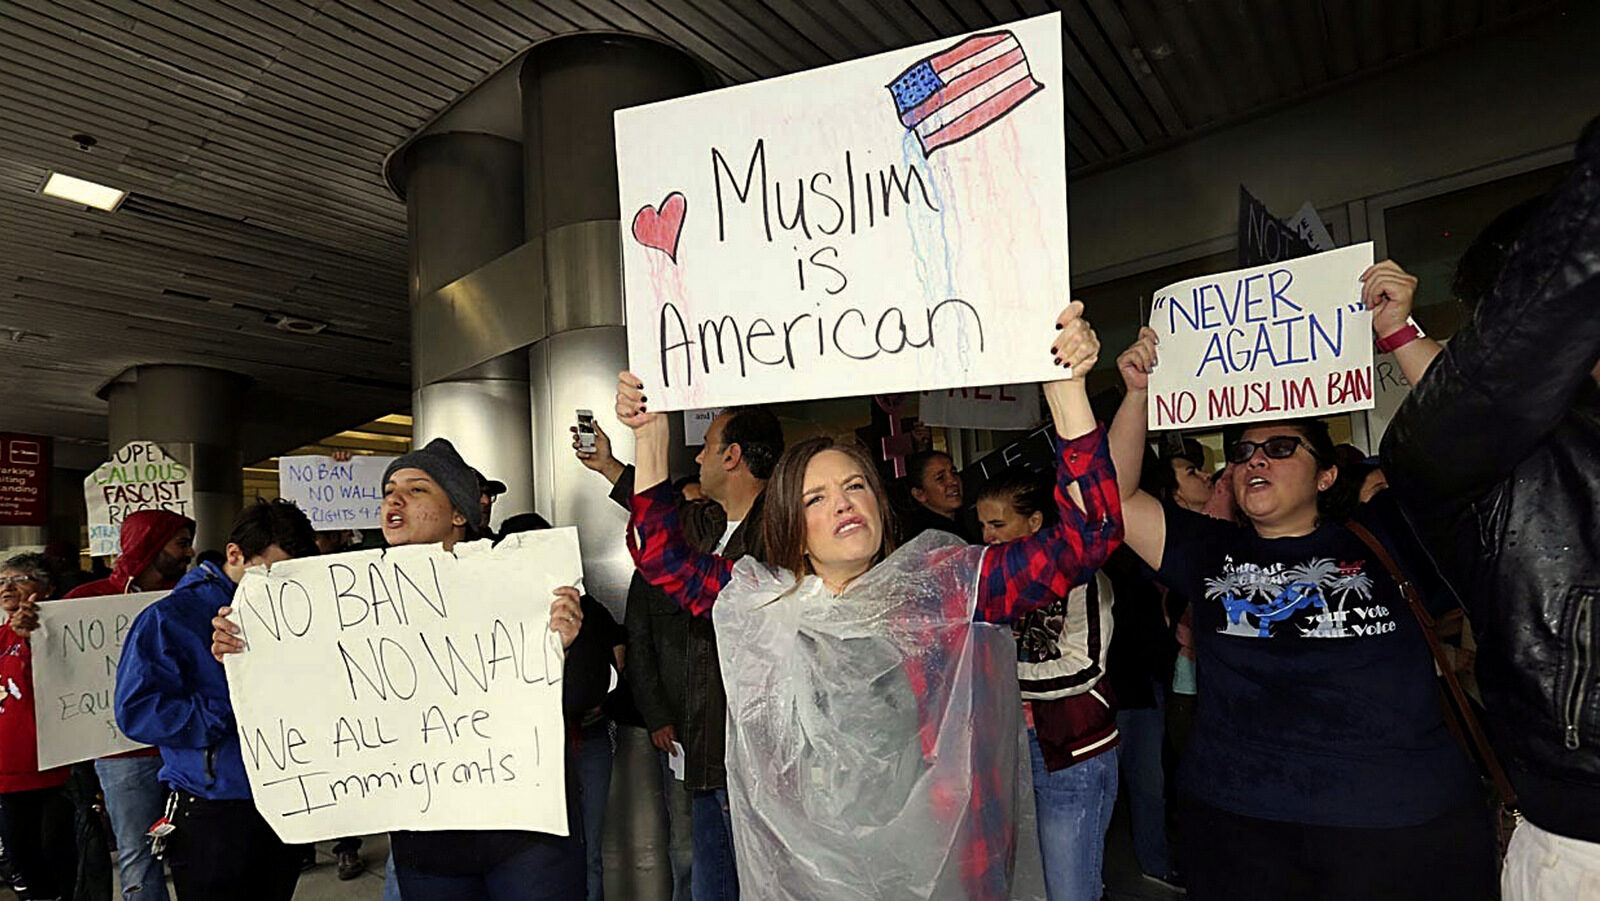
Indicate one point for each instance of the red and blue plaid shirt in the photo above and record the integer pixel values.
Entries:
(1016, 577)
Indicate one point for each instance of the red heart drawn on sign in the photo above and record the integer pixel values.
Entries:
(659, 227)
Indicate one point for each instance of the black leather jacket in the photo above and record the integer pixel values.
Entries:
(1496, 458)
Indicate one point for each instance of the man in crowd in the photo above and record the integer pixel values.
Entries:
(156, 549)
(1496, 458)
(172, 693)
(673, 666)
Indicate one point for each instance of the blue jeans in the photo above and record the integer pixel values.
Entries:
(135, 799)
(715, 876)
(1143, 731)
(542, 872)
(1074, 807)
(391, 882)
(675, 803)
(596, 748)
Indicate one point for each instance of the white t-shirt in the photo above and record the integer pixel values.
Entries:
(726, 534)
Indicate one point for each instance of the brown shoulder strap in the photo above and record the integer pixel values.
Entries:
(1464, 723)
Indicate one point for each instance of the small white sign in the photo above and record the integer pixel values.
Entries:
(695, 424)
(405, 688)
(335, 495)
(75, 654)
(1004, 407)
(140, 476)
(1279, 341)
(890, 224)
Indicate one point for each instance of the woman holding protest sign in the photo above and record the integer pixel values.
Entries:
(874, 745)
(1320, 765)
(431, 496)
(36, 819)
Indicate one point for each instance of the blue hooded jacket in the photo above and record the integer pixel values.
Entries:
(173, 694)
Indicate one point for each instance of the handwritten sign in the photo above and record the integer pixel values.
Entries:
(1277, 341)
(1012, 407)
(24, 479)
(406, 688)
(1263, 238)
(894, 223)
(140, 476)
(75, 654)
(335, 495)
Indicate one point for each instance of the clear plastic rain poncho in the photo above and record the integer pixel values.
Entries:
(859, 726)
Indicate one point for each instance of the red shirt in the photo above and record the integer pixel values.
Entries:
(19, 741)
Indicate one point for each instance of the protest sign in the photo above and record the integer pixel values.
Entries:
(1277, 341)
(895, 223)
(140, 476)
(75, 653)
(1264, 239)
(1310, 227)
(24, 479)
(1009, 407)
(405, 688)
(695, 425)
(335, 495)
(1390, 387)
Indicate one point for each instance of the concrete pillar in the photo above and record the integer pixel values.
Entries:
(193, 413)
(464, 205)
(571, 85)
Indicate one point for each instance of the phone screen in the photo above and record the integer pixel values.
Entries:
(586, 431)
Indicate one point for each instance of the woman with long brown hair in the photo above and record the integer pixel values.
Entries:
(873, 741)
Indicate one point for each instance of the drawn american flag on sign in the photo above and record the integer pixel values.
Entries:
(955, 94)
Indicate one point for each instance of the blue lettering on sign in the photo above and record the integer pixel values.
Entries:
(1255, 324)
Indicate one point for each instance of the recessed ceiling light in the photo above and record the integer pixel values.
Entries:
(85, 192)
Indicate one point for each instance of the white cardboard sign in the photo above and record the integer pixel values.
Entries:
(405, 688)
(75, 654)
(1007, 407)
(335, 495)
(140, 476)
(889, 224)
(1279, 341)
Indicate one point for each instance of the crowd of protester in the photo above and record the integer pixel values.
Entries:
(1283, 668)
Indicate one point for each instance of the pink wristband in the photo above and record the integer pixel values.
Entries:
(1399, 339)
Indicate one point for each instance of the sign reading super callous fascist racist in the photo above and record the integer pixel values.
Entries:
(140, 476)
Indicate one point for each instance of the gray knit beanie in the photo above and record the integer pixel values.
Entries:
(459, 481)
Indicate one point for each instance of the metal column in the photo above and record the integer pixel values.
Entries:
(570, 87)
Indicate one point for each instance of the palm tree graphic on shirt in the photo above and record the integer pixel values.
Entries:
(1256, 598)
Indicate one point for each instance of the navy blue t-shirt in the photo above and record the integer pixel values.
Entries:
(1318, 702)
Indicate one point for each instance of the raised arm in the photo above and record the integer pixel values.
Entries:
(155, 703)
(1144, 520)
(1389, 292)
(1021, 575)
(655, 536)
(1515, 371)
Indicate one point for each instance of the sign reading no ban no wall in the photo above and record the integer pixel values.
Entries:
(405, 688)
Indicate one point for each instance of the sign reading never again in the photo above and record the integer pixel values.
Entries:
(1279, 341)
(406, 688)
(75, 654)
(140, 476)
(823, 235)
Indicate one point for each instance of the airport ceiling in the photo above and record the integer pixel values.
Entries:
(251, 136)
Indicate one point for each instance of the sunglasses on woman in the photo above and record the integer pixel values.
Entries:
(1278, 447)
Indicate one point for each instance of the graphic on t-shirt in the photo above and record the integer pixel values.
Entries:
(1315, 599)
